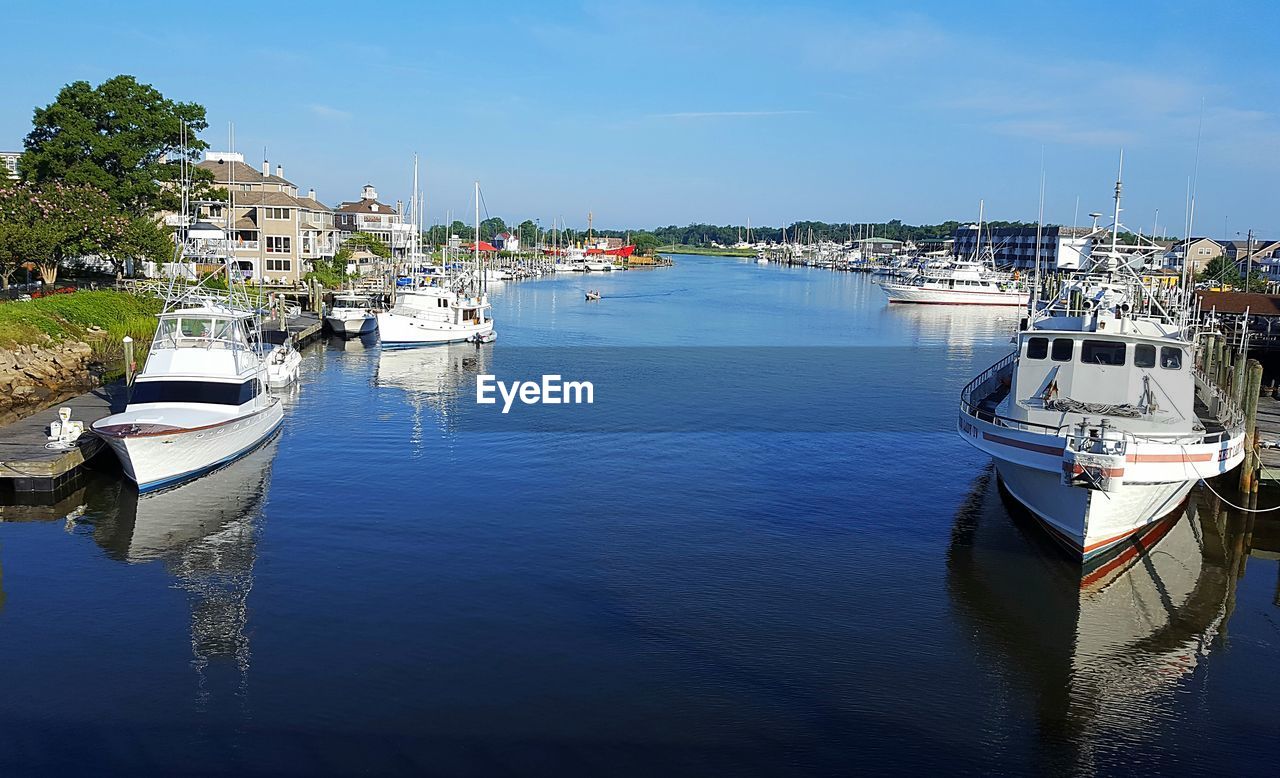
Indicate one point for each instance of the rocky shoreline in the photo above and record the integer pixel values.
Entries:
(33, 378)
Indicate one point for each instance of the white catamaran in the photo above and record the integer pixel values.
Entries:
(1098, 422)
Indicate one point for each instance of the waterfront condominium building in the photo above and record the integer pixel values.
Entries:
(276, 233)
(384, 222)
(1061, 248)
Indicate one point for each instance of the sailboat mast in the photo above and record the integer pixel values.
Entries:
(476, 242)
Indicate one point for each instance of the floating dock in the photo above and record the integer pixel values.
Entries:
(28, 465)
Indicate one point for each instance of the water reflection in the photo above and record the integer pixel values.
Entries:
(435, 379)
(959, 328)
(205, 533)
(1102, 651)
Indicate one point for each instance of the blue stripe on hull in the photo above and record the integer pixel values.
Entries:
(192, 474)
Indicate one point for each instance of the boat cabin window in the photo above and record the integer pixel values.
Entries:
(1171, 357)
(1037, 348)
(1102, 352)
(1062, 349)
(206, 392)
(1144, 355)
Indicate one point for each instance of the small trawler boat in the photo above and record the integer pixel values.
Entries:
(1098, 422)
(199, 403)
(351, 316)
(456, 310)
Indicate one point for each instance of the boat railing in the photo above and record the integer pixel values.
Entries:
(982, 387)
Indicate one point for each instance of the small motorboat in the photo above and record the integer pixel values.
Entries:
(593, 295)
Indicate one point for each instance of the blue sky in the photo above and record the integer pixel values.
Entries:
(650, 113)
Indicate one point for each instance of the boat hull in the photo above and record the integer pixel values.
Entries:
(907, 293)
(1089, 522)
(351, 327)
(160, 460)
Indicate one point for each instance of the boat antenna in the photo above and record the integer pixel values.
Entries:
(1035, 289)
(1115, 223)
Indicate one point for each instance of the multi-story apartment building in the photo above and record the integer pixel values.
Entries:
(384, 222)
(1061, 248)
(275, 233)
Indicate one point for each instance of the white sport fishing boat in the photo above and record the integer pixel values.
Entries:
(455, 309)
(200, 402)
(1098, 422)
(283, 361)
(351, 316)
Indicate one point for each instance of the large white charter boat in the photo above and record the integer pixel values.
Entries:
(1093, 421)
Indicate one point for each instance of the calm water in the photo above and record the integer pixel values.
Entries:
(762, 550)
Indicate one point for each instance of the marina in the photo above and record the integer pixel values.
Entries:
(632, 596)
(621, 389)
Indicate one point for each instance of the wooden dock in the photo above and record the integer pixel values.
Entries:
(1268, 432)
(27, 465)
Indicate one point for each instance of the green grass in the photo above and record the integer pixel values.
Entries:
(66, 317)
(710, 252)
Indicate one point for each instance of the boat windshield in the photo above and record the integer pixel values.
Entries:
(351, 302)
(198, 331)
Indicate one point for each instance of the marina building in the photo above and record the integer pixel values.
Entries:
(1060, 247)
(384, 222)
(275, 233)
(9, 163)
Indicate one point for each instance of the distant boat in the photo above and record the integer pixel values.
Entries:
(593, 295)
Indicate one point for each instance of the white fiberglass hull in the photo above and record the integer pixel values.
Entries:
(1089, 521)
(156, 460)
(397, 330)
(283, 367)
(352, 326)
(909, 293)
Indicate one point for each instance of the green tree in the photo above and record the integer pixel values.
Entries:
(49, 224)
(331, 272)
(116, 137)
(1220, 269)
(363, 240)
(527, 232)
(489, 228)
(646, 243)
(143, 238)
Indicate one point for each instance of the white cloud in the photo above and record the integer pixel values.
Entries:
(329, 112)
(724, 114)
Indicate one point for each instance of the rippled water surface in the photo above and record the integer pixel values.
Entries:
(761, 550)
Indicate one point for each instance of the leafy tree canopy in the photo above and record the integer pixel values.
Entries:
(115, 137)
(363, 240)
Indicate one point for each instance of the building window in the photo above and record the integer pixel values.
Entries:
(279, 265)
(279, 244)
(1202, 251)
(279, 214)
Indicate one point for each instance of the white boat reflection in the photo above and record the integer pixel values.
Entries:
(437, 379)
(1105, 649)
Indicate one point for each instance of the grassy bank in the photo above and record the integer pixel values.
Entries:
(709, 252)
(70, 317)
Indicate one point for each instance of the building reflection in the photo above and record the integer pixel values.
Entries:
(1103, 651)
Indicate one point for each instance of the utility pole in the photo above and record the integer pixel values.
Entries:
(1248, 274)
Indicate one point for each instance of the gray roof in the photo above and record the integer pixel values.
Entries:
(244, 174)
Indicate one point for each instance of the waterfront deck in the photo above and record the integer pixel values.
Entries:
(26, 465)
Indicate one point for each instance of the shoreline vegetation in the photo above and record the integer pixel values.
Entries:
(708, 252)
(101, 318)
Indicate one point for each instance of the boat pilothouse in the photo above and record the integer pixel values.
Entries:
(1098, 422)
(200, 402)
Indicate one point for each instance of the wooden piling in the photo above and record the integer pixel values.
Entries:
(1252, 391)
(128, 360)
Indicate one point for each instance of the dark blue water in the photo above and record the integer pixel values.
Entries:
(761, 550)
